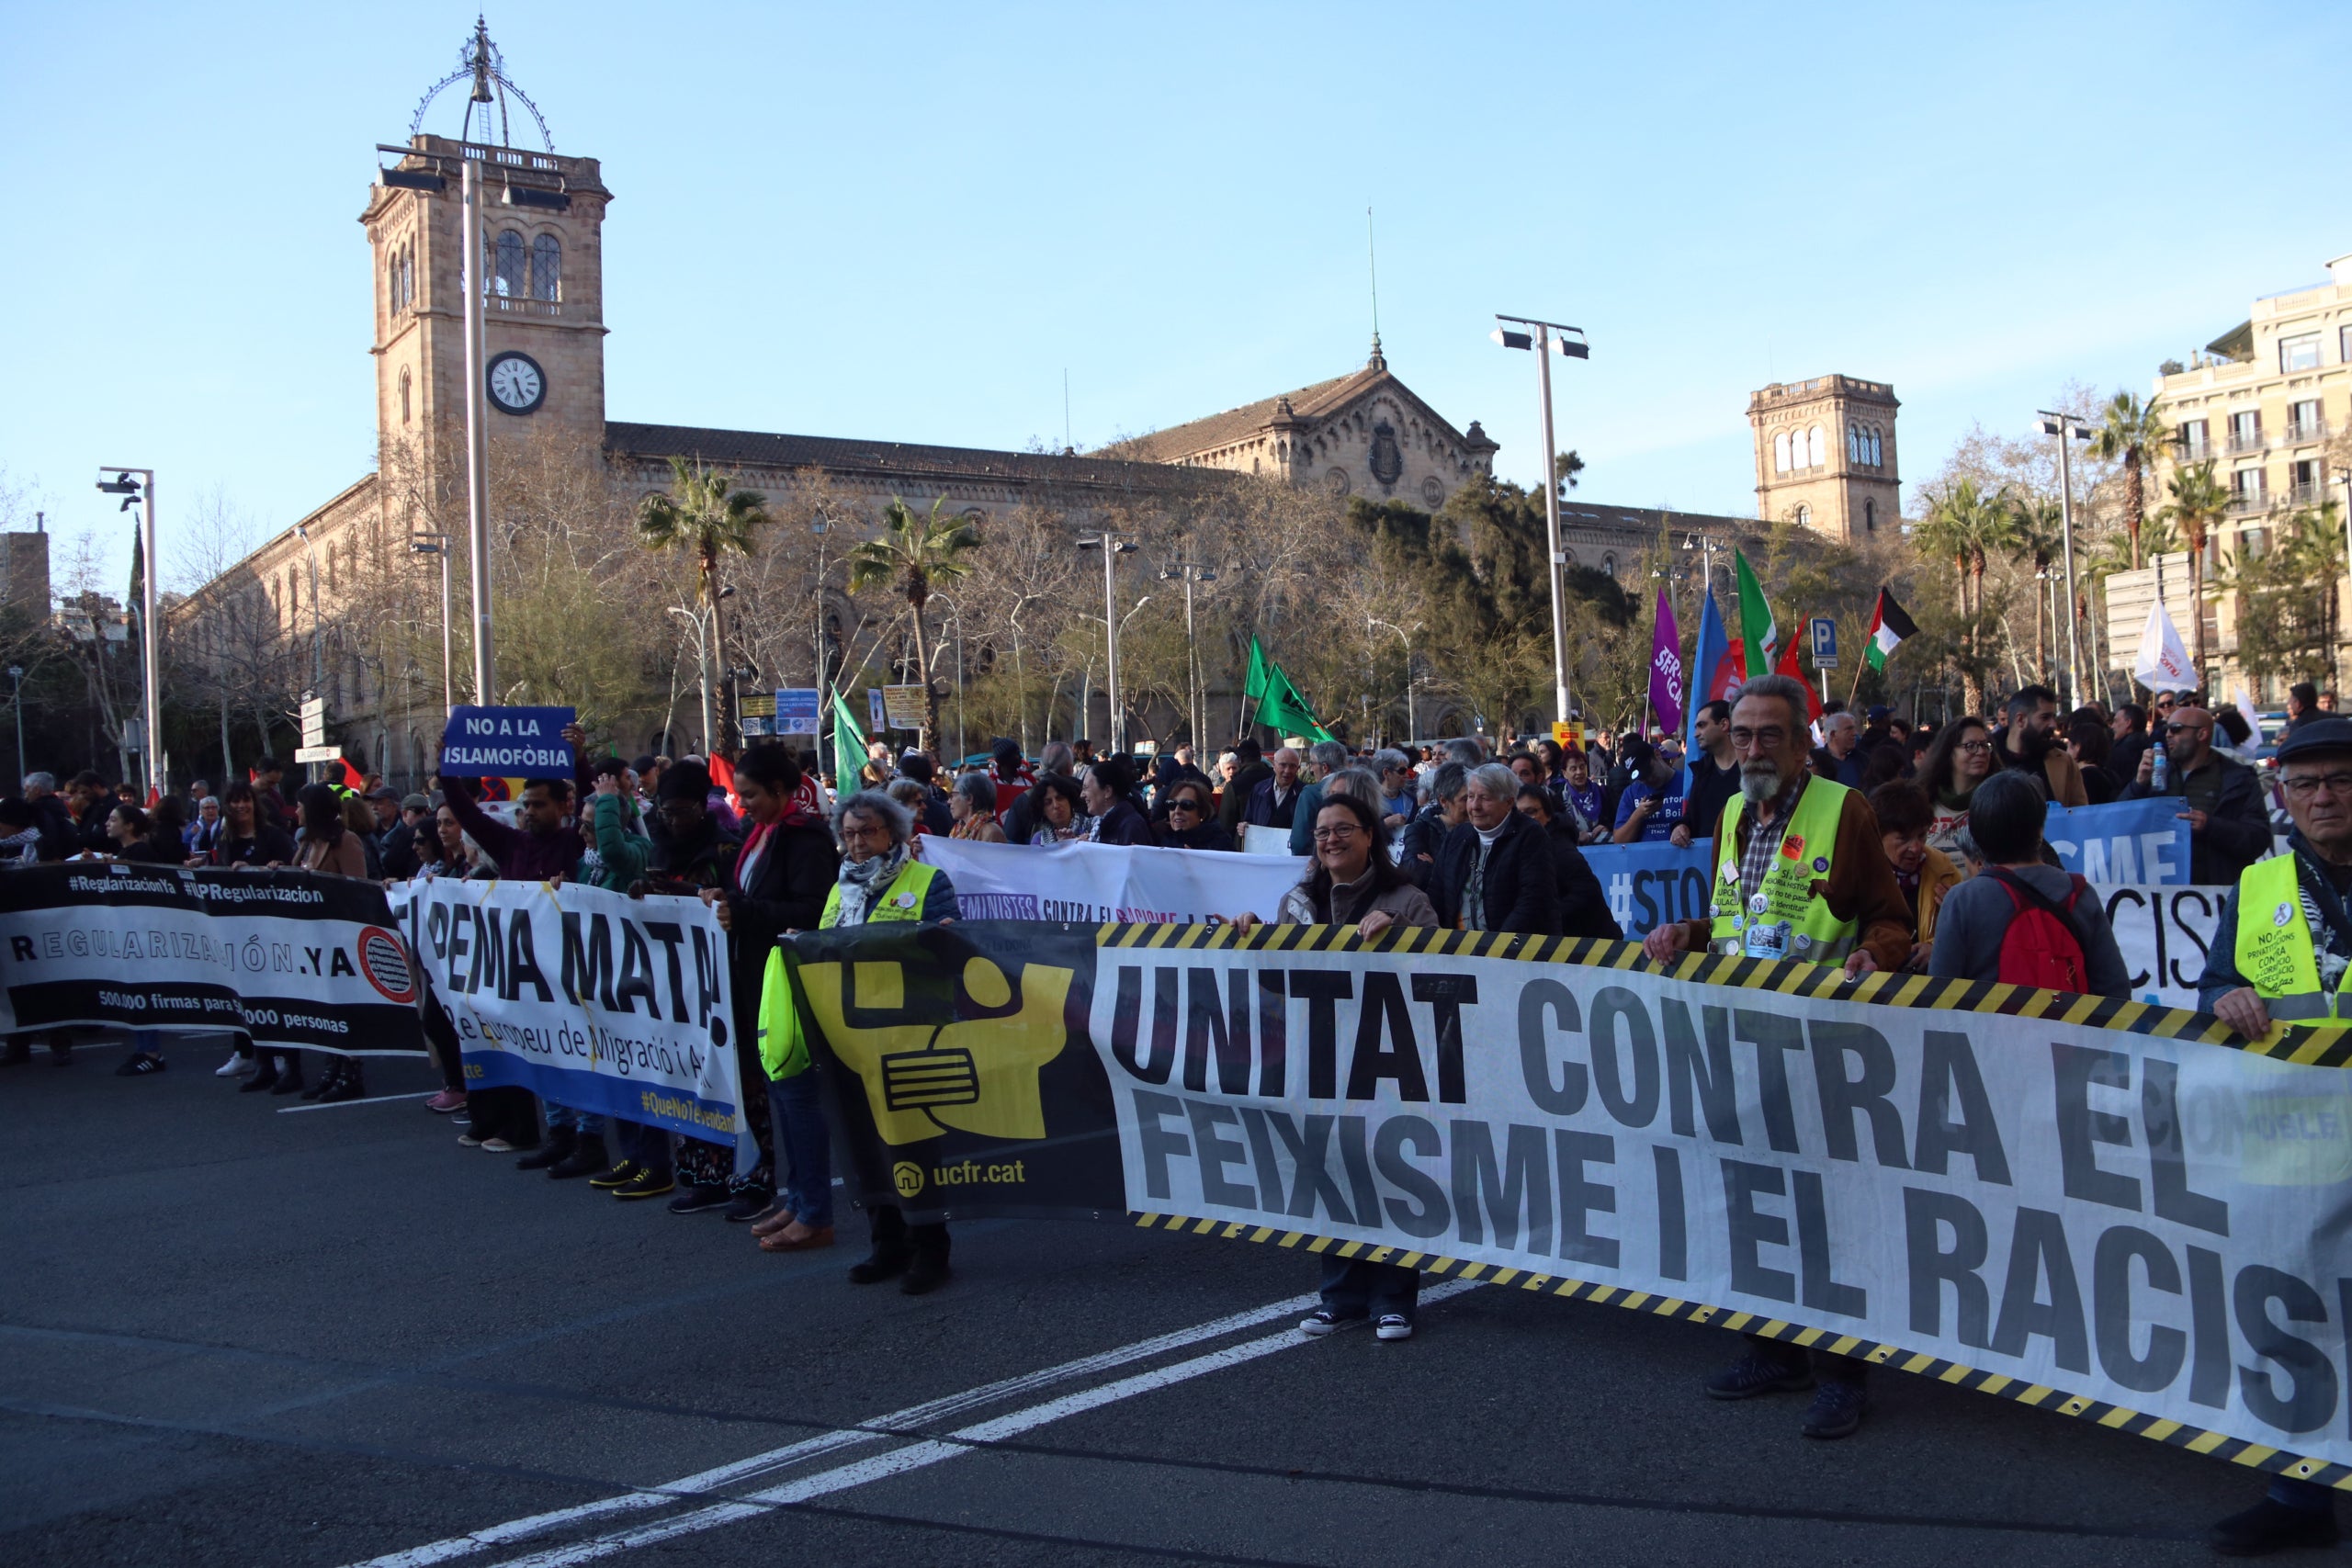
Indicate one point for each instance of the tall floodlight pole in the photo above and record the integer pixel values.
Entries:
(2066, 426)
(471, 271)
(1538, 335)
(1112, 545)
(1191, 573)
(438, 545)
(143, 490)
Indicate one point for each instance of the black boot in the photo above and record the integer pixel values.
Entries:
(892, 1254)
(558, 1147)
(350, 1083)
(329, 1081)
(265, 1077)
(289, 1073)
(928, 1270)
(586, 1158)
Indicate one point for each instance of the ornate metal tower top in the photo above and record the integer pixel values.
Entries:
(481, 65)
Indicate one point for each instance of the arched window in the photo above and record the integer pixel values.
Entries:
(1877, 453)
(546, 267)
(1853, 444)
(510, 280)
(403, 394)
(1816, 448)
(1609, 565)
(1781, 453)
(1805, 516)
(1870, 516)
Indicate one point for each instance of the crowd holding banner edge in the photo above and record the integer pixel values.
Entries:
(1831, 838)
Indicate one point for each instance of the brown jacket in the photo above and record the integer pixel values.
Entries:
(1937, 877)
(1860, 885)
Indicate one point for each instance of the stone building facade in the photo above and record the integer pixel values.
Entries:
(1826, 456)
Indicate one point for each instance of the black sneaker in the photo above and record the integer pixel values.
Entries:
(140, 1065)
(1836, 1410)
(749, 1204)
(2270, 1526)
(700, 1200)
(647, 1184)
(878, 1266)
(620, 1175)
(586, 1158)
(557, 1149)
(925, 1273)
(1753, 1374)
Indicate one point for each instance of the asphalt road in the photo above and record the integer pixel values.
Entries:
(233, 1335)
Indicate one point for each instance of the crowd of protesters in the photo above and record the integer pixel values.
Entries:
(1935, 862)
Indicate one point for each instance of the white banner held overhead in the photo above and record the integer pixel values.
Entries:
(1087, 884)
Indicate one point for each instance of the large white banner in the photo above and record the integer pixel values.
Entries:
(1088, 883)
(2165, 934)
(600, 1002)
(2157, 1224)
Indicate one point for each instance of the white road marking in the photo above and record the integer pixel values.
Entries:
(372, 1100)
(935, 1451)
(898, 1422)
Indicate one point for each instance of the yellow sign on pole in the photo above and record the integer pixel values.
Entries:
(1569, 733)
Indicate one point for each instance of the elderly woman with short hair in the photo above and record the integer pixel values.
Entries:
(973, 805)
(880, 881)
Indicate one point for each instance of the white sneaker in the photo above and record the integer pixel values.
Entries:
(234, 1067)
(1394, 1326)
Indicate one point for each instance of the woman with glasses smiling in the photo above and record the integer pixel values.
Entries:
(1961, 760)
(1189, 824)
(1355, 884)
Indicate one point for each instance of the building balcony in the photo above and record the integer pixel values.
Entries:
(2245, 502)
(2241, 442)
(2304, 495)
(2193, 451)
(2310, 430)
(522, 305)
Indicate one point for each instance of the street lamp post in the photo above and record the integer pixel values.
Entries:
(2062, 426)
(476, 276)
(438, 545)
(1191, 573)
(143, 490)
(1538, 336)
(1112, 545)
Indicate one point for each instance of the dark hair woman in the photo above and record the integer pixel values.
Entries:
(1109, 788)
(1057, 809)
(1192, 822)
(329, 849)
(1960, 760)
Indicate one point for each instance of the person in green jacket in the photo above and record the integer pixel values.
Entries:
(622, 852)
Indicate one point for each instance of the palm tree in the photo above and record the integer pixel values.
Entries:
(2131, 431)
(1969, 526)
(2199, 500)
(705, 513)
(913, 553)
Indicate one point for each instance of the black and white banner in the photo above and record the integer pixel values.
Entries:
(604, 1003)
(1087, 883)
(288, 958)
(2155, 1222)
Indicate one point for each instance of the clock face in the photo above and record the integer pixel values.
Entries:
(517, 385)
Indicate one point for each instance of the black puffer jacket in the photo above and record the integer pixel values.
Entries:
(1522, 878)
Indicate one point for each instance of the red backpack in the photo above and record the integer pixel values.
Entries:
(2039, 948)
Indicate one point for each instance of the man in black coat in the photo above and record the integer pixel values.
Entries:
(1250, 771)
(1496, 873)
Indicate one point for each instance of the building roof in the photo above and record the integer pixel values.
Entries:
(1309, 404)
(1576, 513)
(895, 460)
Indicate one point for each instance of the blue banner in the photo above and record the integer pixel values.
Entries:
(2142, 841)
(506, 743)
(1652, 885)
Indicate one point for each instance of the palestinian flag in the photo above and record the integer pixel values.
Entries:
(1889, 627)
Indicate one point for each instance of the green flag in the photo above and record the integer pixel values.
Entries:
(849, 746)
(1254, 685)
(1281, 707)
(1756, 629)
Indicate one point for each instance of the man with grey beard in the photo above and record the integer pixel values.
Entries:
(1800, 875)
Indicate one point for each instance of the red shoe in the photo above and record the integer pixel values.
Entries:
(448, 1099)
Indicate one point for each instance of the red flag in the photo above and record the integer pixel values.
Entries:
(1728, 672)
(352, 777)
(723, 773)
(1789, 668)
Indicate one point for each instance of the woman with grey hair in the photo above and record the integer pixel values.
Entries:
(881, 881)
(973, 805)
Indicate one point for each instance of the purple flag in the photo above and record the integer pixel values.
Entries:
(1666, 684)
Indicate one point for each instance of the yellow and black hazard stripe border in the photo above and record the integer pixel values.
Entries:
(2195, 1440)
(2322, 1045)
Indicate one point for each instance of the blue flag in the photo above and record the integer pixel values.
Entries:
(1713, 643)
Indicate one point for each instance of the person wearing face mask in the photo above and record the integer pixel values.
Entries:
(1495, 873)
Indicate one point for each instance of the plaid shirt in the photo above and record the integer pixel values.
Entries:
(1766, 826)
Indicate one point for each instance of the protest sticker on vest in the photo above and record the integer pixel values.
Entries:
(287, 958)
(604, 1003)
(2098, 1207)
(508, 743)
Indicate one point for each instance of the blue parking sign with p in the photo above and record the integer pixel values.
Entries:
(1824, 643)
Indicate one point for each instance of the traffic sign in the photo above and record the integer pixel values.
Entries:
(309, 754)
(1824, 643)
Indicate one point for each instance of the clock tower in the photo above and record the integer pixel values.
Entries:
(541, 275)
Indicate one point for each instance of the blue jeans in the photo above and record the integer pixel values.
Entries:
(804, 1148)
(1357, 1287)
(583, 1123)
(648, 1147)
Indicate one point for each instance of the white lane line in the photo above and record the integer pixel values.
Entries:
(372, 1100)
(935, 1451)
(913, 1418)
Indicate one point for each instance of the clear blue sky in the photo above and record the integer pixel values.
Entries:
(906, 222)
